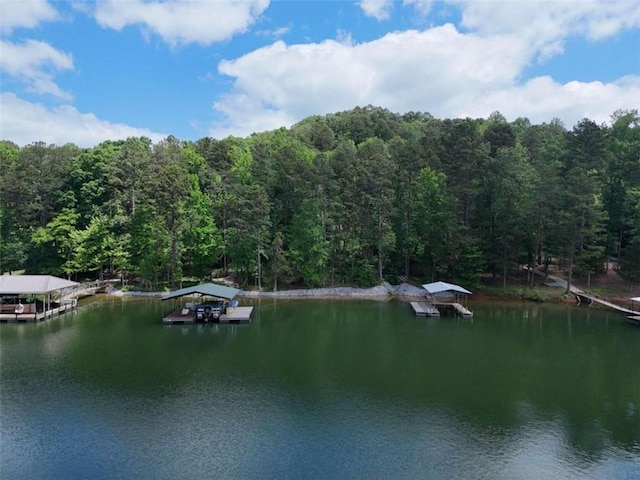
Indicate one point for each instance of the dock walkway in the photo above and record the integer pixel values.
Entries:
(582, 295)
(462, 310)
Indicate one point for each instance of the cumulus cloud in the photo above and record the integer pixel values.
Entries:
(181, 22)
(35, 63)
(378, 9)
(25, 13)
(19, 120)
(547, 24)
(403, 71)
(441, 70)
(541, 99)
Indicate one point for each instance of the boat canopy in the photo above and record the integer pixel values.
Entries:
(209, 289)
(440, 287)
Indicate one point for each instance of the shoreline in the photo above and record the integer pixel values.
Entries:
(383, 292)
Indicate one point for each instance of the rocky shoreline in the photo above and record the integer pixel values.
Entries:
(383, 291)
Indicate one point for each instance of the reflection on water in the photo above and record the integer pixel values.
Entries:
(322, 389)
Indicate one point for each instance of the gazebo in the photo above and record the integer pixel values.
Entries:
(35, 297)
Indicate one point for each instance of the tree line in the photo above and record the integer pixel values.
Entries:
(348, 198)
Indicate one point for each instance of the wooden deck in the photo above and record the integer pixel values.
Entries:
(233, 315)
(424, 309)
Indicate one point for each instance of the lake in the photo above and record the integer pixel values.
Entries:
(322, 389)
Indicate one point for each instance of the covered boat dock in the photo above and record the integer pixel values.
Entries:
(195, 312)
(30, 298)
(443, 296)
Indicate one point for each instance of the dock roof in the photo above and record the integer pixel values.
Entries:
(32, 284)
(439, 287)
(210, 289)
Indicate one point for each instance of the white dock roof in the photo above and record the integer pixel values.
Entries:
(439, 287)
(34, 284)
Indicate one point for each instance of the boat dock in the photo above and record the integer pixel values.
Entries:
(233, 316)
(424, 309)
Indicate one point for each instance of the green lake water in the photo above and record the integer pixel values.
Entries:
(322, 389)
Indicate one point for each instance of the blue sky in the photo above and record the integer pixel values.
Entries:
(85, 72)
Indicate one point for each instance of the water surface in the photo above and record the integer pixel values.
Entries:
(322, 389)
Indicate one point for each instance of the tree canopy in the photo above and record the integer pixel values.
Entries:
(352, 197)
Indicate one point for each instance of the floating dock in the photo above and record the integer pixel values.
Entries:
(233, 316)
(424, 309)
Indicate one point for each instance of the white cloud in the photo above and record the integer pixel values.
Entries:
(545, 24)
(423, 7)
(378, 9)
(277, 33)
(19, 120)
(440, 70)
(541, 99)
(402, 71)
(35, 63)
(181, 22)
(24, 13)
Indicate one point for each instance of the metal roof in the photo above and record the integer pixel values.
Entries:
(438, 287)
(33, 284)
(210, 289)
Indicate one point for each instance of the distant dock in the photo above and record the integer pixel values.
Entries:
(442, 296)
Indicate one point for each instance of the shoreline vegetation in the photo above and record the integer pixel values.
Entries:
(349, 198)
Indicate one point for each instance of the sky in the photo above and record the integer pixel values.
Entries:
(89, 71)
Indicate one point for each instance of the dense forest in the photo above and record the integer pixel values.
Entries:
(348, 198)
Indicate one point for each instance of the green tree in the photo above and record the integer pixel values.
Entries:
(582, 214)
(307, 245)
(375, 181)
(433, 219)
(62, 243)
